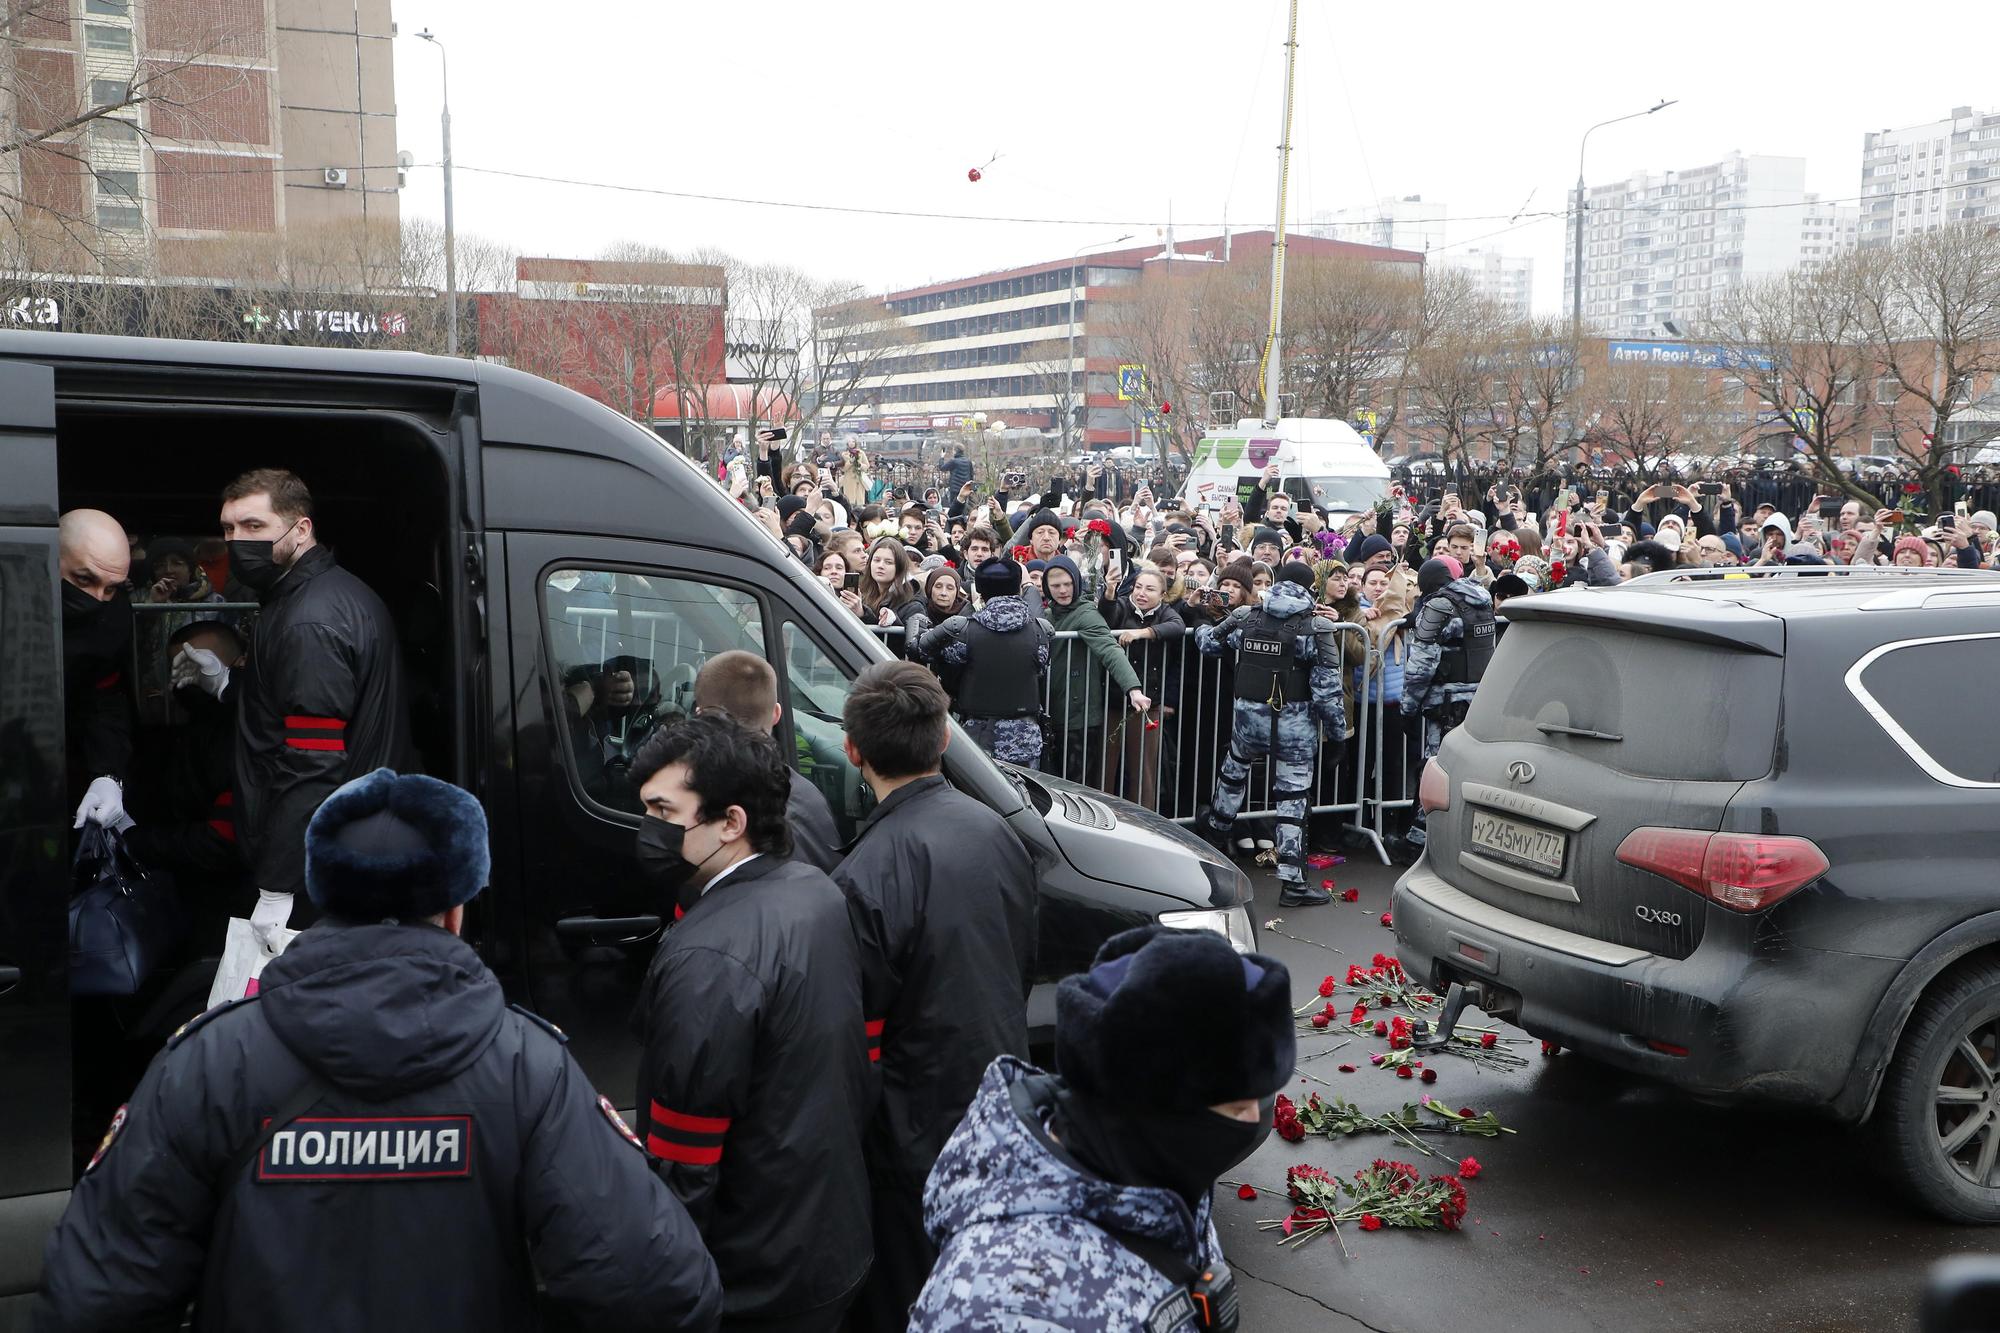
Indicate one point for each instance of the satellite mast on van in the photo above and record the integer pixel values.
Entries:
(1324, 463)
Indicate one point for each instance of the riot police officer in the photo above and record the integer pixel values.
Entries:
(1452, 633)
(995, 662)
(1287, 679)
(375, 1140)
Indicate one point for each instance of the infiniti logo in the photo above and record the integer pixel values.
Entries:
(1520, 771)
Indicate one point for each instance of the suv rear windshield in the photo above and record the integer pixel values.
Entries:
(1689, 711)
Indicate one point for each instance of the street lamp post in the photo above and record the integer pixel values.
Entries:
(1576, 264)
(450, 237)
(1069, 367)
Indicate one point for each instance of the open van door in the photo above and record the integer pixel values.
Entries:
(34, 839)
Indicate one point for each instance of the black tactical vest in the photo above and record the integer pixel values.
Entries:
(1464, 662)
(1268, 669)
(1002, 674)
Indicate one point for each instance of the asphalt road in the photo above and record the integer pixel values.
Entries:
(1618, 1204)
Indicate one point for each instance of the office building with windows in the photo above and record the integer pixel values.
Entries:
(1928, 176)
(1658, 247)
(251, 117)
(1508, 281)
(998, 346)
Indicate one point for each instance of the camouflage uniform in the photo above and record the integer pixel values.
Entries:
(1442, 703)
(1016, 740)
(1289, 734)
(1022, 1236)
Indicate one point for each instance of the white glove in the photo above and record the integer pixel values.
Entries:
(272, 912)
(104, 802)
(198, 666)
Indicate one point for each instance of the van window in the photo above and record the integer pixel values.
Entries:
(1348, 494)
(816, 697)
(1688, 711)
(1938, 694)
(625, 648)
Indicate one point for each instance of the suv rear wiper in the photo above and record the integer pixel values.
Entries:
(1557, 729)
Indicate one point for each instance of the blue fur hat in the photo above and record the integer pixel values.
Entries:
(396, 845)
(1176, 1020)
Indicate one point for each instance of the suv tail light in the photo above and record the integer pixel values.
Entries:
(1434, 788)
(1745, 872)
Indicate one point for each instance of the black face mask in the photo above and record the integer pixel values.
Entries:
(79, 606)
(255, 564)
(660, 859)
(1182, 1151)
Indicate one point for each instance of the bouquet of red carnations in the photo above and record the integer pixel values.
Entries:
(1381, 1194)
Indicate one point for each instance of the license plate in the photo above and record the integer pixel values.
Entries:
(1525, 845)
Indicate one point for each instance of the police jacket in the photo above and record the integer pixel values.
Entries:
(1314, 647)
(942, 897)
(321, 702)
(1451, 639)
(1000, 654)
(753, 1085)
(809, 819)
(452, 1153)
(97, 689)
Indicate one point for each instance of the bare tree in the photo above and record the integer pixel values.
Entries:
(1798, 340)
(1346, 321)
(851, 341)
(73, 180)
(1535, 376)
(1048, 364)
(1641, 413)
(769, 308)
(1930, 308)
(1453, 365)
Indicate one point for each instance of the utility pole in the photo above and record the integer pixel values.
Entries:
(450, 237)
(1576, 252)
(1274, 339)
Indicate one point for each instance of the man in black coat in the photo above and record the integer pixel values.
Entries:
(942, 898)
(743, 686)
(94, 559)
(753, 1080)
(322, 700)
(375, 1140)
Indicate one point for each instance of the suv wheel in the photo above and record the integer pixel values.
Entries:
(1940, 1105)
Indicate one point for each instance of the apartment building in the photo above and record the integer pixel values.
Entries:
(1927, 176)
(1508, 281)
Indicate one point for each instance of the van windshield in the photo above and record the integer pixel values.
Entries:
(1339, 494)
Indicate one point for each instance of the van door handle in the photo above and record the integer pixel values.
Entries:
(10, 977)
(608, 929)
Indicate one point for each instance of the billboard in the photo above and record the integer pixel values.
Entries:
(1708, 356)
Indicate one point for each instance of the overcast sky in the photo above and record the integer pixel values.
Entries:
(1107, 116)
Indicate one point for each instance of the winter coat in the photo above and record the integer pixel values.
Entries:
(1023, 1232)
(1015, 739)
(945, 959)
(753, 1085)
(1158, 660)
(1437, 624)
(809, 819)
(322, 702)
(454, 1155)
(1091, 669)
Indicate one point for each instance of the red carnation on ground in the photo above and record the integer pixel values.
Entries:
(1319, 1020)
(1470, 1168)
(1326, 987)
(1346, 1069)
(1467, 1112)
(1370, 1222)
(1550, 1048)
(1430, 1076)
(1488, 1040)
(1388, 920)
(1350, 896)
(1360, 1011)
(1326, 884)
(1246, 1191)
(1381, 1028)
(1404, 1071)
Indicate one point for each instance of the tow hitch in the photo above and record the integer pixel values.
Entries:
(1428, 1035)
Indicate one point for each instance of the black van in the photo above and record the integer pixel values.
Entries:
(525, 538)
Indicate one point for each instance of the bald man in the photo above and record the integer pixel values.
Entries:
(94, 559)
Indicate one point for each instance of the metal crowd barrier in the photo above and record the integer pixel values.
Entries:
(1166, 759)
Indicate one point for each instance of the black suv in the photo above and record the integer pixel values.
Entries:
(1736, 831)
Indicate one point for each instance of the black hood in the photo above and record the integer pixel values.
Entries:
(381, 1010)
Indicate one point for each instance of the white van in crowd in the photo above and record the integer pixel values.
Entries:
(1322, 463)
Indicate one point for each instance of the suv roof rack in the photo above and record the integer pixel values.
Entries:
(1787, 573)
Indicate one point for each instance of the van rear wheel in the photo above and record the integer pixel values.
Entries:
(1939, 1112)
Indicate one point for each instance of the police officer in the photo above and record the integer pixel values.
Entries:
(1452, 633)
(322, 699)
(94, 560)
(1287, 678)
(753, 1078)
(1080, 1201)
(941, 894)
(999, 658)
(375, 1140)
(743, 686)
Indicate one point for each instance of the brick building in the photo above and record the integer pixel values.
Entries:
(253, 118)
